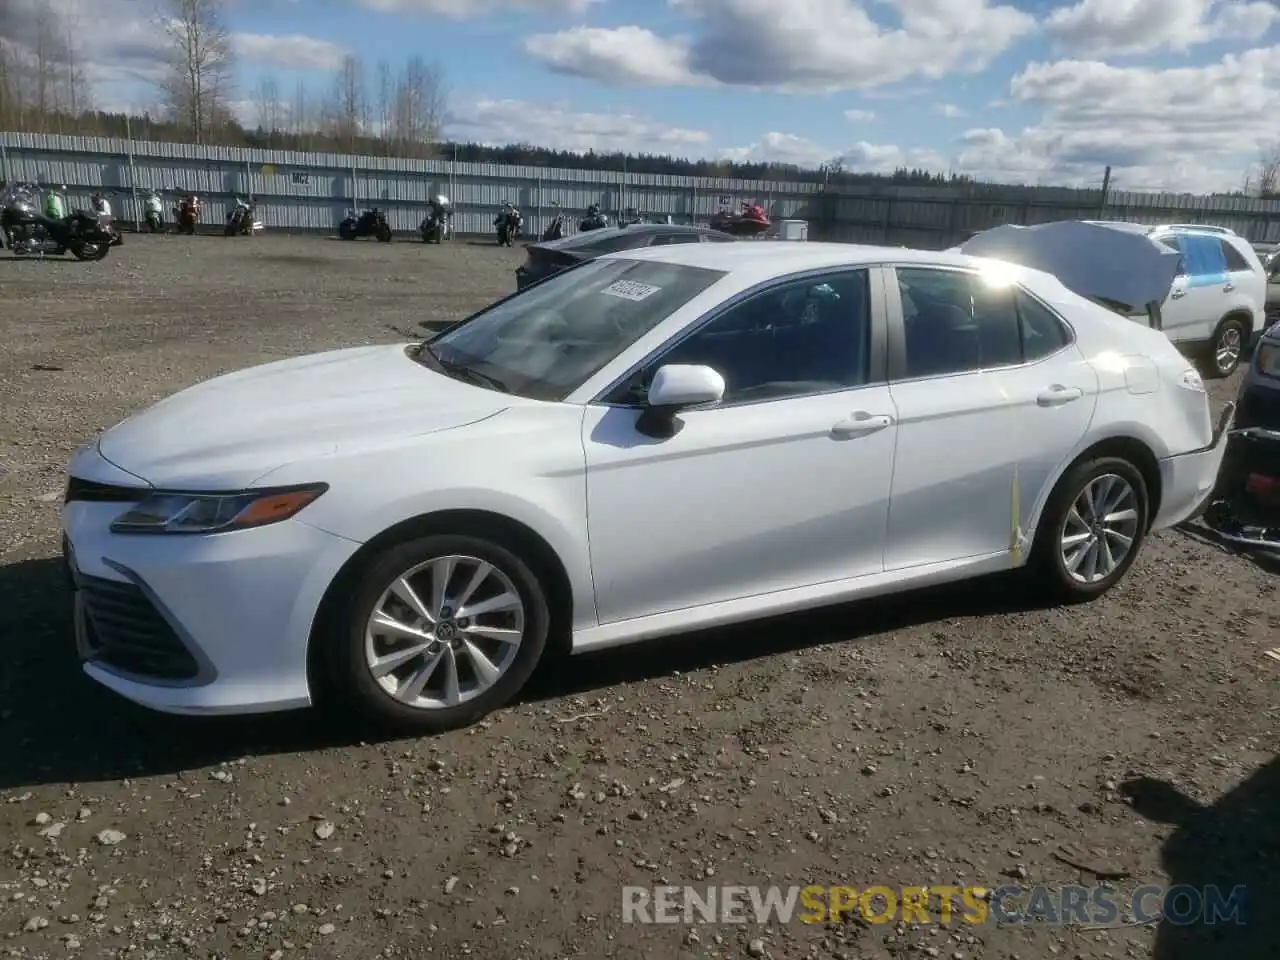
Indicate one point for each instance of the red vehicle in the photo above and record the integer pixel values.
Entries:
(750, 221)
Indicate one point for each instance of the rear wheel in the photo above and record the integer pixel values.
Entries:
(1091, 531)
(384, 234)
(90, 251)
(437, 632)
(1225, 349)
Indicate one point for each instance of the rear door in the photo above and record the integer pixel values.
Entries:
(1246, 286)
(1195, 303)
(992, 395)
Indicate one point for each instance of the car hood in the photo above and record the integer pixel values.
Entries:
(1094, 260)
(228, 432)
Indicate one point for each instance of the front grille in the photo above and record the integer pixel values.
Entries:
(87, 491)
(124, 630)
(1258, 407)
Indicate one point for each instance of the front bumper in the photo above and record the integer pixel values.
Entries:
(198, 624)
(1187, 481)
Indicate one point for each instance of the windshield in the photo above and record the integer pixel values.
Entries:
(546, 342)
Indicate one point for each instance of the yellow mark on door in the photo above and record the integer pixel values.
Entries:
(1015, 518)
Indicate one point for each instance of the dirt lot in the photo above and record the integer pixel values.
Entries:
(956, 738)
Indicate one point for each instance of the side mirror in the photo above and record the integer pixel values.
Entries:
(677, 385)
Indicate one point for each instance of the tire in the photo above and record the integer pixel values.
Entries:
(90, 251)
(384, 234)
(347, 230)
(1225, 349)
(1048, 567)
(349, 673)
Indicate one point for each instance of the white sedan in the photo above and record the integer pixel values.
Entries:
(649, 443)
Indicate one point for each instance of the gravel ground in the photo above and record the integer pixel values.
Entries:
(952, 738)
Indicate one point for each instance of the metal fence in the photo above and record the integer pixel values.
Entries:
(314, 191)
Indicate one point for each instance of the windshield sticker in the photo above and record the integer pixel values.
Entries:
(630, 290)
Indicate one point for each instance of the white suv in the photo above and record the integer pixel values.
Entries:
(1217, 304)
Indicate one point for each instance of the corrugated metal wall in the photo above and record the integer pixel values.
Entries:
(313, 191)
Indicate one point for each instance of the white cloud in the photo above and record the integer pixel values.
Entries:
(471, 9)
(1184, 128)
(294, 52)
(950, 111)
(627, 55)
(559, 127)
(1101, 28)
(859, 116)
(799, 45)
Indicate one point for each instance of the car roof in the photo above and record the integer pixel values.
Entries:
(769, 258)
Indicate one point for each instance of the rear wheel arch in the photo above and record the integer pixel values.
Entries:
(1125, 447)
(519, 538)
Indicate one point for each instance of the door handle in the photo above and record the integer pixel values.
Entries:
(859, 424)
(1057, 395)
(1228, 287)
(1177, 295)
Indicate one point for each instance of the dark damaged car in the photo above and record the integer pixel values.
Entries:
(546, 259)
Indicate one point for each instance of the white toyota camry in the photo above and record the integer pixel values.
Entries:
(648, 443)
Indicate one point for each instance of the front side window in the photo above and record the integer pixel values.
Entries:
(956, 322)
(798, 338)
(546, 342)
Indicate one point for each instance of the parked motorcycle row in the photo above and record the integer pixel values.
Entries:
(32, 225)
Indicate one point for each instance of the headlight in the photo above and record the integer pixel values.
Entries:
(1269, 359)
(1192, 381)
(166, 512)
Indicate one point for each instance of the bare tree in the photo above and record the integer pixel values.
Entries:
(419, 108)
(301, 123)
(266, 103)
(386, 94)
(197, 83)
(349, 109)
(1267, 178)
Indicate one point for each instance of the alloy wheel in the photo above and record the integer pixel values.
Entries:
(1228, 351)
(444, 632)
(1100, 529)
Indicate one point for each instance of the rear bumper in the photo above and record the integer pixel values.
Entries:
(1187, 481)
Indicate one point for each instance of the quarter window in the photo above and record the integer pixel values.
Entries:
(1235, 259)
(954, 322)
(799, 338)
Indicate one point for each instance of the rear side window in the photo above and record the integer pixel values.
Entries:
(1235, 259)
(1202, 256)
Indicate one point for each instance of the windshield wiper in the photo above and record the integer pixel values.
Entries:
(460, 371)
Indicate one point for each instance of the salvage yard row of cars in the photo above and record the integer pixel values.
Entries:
(651, 441)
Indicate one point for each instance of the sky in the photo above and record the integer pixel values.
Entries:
(1179, 95)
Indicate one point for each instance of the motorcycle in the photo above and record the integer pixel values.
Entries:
(102, 206)
(371, 223)
(555, 229)
(242, 221)
(631, 217)
(508, 221)
(750, 221)
(437, 225)
(187, 214)
(594, 220)
(26, 230)
(153, 212)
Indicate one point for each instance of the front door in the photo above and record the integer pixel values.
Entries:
(783, 484)
(991, 394)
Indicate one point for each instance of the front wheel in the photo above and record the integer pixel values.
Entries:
(347, 230)
(1225, 349)
(384, 234)
(1092, 529)
(438, 632)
